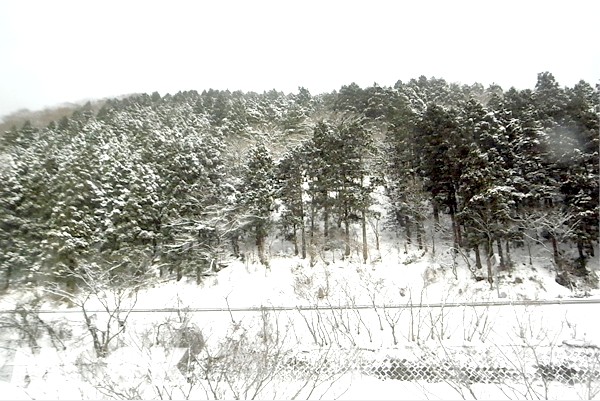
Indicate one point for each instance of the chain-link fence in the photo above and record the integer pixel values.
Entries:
(472, 364)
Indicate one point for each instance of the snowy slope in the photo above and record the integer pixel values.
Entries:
(398, 274)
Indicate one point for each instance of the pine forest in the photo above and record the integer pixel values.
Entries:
(171, 186)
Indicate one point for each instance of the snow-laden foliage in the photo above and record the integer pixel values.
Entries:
(171, 185)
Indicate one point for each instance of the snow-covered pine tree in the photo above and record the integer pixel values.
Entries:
(257, 196)
(409, 205)
(351, 176)
(15, 258)
(290, 182)
(442, 150)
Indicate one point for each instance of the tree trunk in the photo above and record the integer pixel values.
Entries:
(477, 257)
(455, 225)
(488, 260)
(364, 237)
(508, 260)
(326, 222)
(529, 252)
(260, 247)
(500, 253)
(179, 272)
(580, 250)
(436, 213)
(296, 250)
(433, 240)
(7, 277)
(235, 245)
(555, 250)
(459, 240)
(98, 345)
(198, 272)
(454, 230)
(303, 237)
(419, 235)
(312, 222)
(377, 234)
(71, 282)
(347, 236)
(155, 252)
(407, 227)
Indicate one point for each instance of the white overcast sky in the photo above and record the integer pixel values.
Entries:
(63, 51)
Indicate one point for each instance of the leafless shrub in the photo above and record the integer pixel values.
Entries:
(477, 325)
(373, 289)
(107, 319)
(529, 363)
(258, 363)
(26, 323)
(351, 302)
(392, 317)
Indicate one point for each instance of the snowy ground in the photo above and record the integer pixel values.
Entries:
(145, 355)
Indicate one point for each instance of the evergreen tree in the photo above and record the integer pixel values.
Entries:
(442, 150)
(549, 100)
(409, 205)
(350, 99)
(321, 174)
(13, 239)
(290, 179)
(257, 196)
(354, 181)
(487, 197)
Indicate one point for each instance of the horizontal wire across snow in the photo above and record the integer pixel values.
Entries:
(432, 305)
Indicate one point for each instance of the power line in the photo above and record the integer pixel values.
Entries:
(434, 305)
